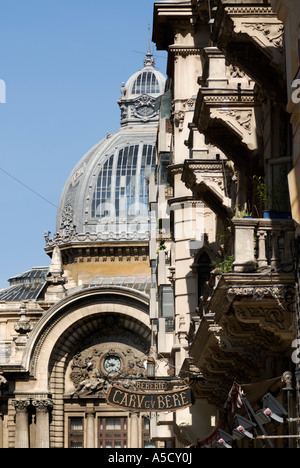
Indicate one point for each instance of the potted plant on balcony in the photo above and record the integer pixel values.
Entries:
(243, 213)
(272, 198)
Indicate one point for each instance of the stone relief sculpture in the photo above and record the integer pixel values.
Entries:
(94, 369)
(91, 384)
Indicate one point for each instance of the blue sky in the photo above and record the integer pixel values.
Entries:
(63, 63)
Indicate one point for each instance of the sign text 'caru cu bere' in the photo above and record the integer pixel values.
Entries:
(148, 402)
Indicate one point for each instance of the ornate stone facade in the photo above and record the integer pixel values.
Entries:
(201, 287)
(234, 295)
(69, 332)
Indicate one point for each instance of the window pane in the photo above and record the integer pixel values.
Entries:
(76, 445)
(113, 424)
(76, 424)
(75, 433)
(114, 435)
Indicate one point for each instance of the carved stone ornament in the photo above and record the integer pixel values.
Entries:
(242, 117)
(42, 406)
(23, 326)
(94, 370)
(272, 32)
(144, 107)
(67, 223)
(21, 405)
(77, 175)
(179, 119)
(236, 72)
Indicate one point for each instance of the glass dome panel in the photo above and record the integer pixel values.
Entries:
(146, 83)
(122, 185)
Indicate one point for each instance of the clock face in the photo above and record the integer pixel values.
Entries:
(112, 364)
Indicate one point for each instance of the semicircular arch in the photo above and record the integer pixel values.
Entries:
(75, 317)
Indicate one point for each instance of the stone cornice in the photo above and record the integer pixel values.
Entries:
(250, 10)
(185, 50)
(103, 253)
(95, 241)
(229, 97)
(169, 16)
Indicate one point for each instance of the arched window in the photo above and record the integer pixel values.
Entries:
(122, 188)
(204, 268)
(146, 83)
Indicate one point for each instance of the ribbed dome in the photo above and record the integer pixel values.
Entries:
(140, 94)
(146, 81)
(106, 195)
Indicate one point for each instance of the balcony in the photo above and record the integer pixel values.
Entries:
(252, 36)
(263, 245)
(210, 181)
(227, 110)
(247, 315)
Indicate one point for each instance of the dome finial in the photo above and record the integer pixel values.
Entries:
(149, 60)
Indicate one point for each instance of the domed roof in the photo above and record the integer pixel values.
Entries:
(107, 192)
(106, 196)
(146, 81)
(140, 94)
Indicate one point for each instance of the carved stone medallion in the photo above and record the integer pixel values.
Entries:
(95, 369)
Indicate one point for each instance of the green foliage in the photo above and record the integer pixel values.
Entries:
(226, 266)
(262, 189)
(161, 246)
(271, 197)
(241, 213)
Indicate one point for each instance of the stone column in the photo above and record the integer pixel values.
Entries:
(90, 428)
(262, 259)
(134, 432)
(22, 427)
(42, 437)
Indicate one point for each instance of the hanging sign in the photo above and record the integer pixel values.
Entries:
(149, 402)
(154, 386)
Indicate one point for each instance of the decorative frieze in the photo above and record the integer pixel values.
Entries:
(101, 236)
(184, 51)
(99, 254)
